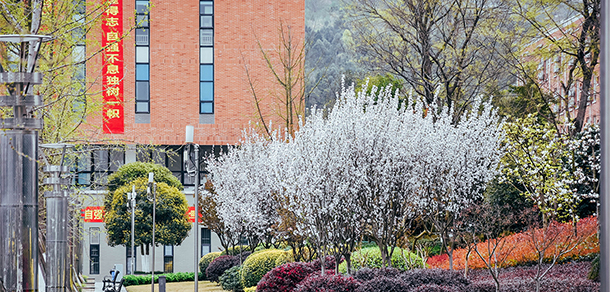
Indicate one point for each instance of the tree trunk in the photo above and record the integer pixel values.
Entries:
(348, 261)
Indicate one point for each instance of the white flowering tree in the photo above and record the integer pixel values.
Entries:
(243, 192)
(320, 180)
(458, 160)
(369, 165)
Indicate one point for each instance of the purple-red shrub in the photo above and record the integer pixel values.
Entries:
(419, 277)
(220, 265)
(566, 277)
(328, 282)
(384, 284)
(284, 278)
(367, 274)
(437, 288)
(329, 264)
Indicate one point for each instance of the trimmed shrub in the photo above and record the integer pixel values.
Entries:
(235, 250)
(482, 287)
(370, 257)
(284, 278)
(145, 278)
(328, 282)
(231, 279)
(244, 255)
(205, 260)
(367, 274)
(385, 284)
(520, 251)
(284, 259)
(422, 277)
(257, 265)
(250, 289)
(329, 264)
(436, 288)
(219, 265)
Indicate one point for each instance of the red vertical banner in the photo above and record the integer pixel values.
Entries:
(112, 67)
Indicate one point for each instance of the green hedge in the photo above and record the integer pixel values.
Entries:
(130, 280)
(205, 261)
(257, 265)
(231, 279)
(371, 257)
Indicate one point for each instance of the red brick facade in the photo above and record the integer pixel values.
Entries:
(174, 68)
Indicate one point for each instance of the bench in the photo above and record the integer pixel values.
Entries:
(110, 282)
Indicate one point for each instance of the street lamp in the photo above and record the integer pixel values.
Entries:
(190, 133)
(57, 221)
(132, 203)
(152, 185)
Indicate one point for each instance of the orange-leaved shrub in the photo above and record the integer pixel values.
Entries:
(523, 248)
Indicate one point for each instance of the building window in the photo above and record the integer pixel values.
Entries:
(206, 57)
(94, 250)
(94, 164)
(168, 259)
(142, 57)
(206, 241)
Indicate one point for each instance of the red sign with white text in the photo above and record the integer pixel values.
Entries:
(112, 67)
(93, 214)
(191, 215)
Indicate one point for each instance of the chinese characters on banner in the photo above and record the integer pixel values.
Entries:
(191, 215)
(93, 214)
(112, 69)
(96, 214)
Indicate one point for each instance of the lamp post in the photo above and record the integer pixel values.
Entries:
(57, 221)
(604, 197)
(132, 203)
(152, 185)
(190, 133)
(18, 166)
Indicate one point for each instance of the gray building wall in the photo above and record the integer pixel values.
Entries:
(109, 256)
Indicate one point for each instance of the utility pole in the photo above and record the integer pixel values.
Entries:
(132, 201)
(18, 166)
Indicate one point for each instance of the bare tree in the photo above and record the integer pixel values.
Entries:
(287, 66)
(570, 30)
(444, 47)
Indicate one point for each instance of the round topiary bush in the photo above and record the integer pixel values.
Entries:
(257, 265)
(370, 257)
(219, 265)
(328, 282)
(231, 279)
(205, 260)
(384, 284)
(284, 278)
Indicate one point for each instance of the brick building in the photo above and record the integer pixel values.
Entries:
(552, 74)
(182, 64)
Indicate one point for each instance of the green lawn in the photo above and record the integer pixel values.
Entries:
(204, 286)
